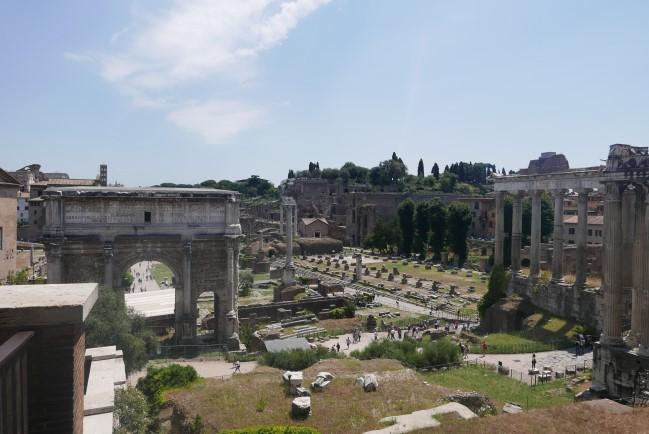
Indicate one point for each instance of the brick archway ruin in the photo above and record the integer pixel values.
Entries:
(95, 234)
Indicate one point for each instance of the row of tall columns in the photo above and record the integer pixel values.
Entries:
(535, 238)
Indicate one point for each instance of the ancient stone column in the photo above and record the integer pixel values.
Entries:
(517, 224)
(188, 325)
(228, 301)
(582, 238)
(628, 241)
(281, 218)
(108, 264)
(289, 270)
(500, 228)
(295, 234)
(557, 236)
(54, 264)
(613, 260)
(535, 236)
(639, 259)
(643, 301)
(359, 267)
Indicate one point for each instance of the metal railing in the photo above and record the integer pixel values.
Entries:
(14, 412)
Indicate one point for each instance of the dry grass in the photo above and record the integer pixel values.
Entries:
(259, 398)
(346, 325)
(575, 418)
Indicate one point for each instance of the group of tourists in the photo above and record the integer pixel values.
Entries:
(464, 350)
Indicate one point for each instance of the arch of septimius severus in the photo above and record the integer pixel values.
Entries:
(625, 182)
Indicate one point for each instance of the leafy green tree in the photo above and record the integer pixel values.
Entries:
(547, 217)
(438, 225)
(459, 223)
(435, 171)
(422, 227)
(420, 168)
(496, 289)
(383, 237)
(406, 213)
(132, 411)
(109, 323)
(447, 182)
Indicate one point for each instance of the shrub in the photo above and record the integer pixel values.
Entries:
(371, 323)
(411, 352)
(337, 313)
(296, 360)
(496, 289)
(246, 280)
(350, 310)
(157, 380)
(131, 411)
(272, 430)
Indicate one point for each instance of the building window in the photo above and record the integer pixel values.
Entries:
(590, 232)
(317, 234)
(571, 231)
(476, 205)
(147, 216)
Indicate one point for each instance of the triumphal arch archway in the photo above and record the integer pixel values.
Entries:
(94, 234)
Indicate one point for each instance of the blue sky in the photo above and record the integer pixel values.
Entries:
(184, 91)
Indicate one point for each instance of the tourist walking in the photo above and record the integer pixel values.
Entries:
(348, 342)
(484, 348)
(237, 367)
(533, 361)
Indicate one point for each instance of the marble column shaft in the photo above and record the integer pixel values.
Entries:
(557, 236)
(639, 259)
(644, 294)
(517, 225)
(613, 261)
(500, 228)
(582, 238)
(535, 236)
(289, 236)
(187, 278)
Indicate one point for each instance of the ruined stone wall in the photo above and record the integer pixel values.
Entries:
(314, 305)
(581, 305)
(8, 223)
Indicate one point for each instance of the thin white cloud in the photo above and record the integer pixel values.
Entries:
(196, 41)
(217, 121)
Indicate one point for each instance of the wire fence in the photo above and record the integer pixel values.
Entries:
(531, 378)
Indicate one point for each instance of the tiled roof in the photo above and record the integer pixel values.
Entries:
(58, 182)
(5, 178)
(592, 220)
(307, 220)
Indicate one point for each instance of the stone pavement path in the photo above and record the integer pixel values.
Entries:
(557, 360)
(205, 368)
(422, 419)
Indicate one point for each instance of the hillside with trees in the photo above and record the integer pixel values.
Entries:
(392, 175)
(253, 187)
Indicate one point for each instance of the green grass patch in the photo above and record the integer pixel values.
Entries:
(260, 276)
(160, 272)
(502, 389)
(541, 332)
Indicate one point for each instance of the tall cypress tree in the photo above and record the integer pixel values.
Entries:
(406, 213)
(435, 171)
(420, 168)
